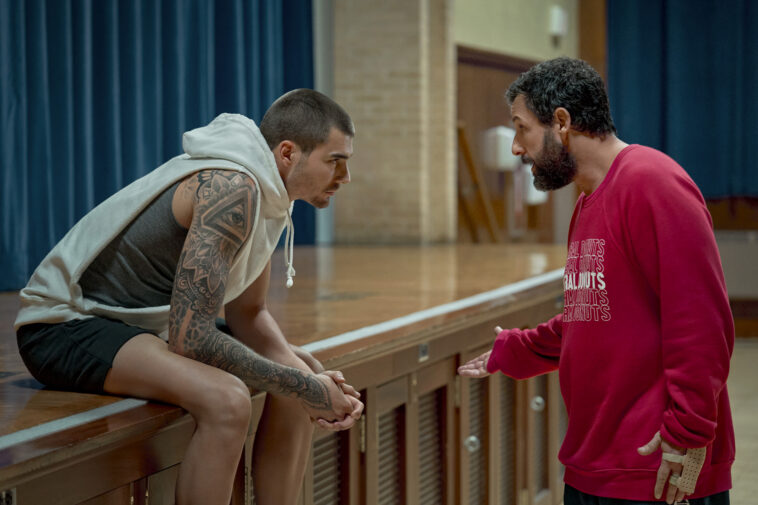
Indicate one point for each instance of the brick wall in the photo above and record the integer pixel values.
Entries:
(394, 73)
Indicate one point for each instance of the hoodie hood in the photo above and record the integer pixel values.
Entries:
(229, 137)
(230, 142)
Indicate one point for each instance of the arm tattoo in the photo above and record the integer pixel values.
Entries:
(203, 176)
(222, 220)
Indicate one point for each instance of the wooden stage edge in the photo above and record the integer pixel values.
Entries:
(376, 313)
(447, 310)
(397, 321)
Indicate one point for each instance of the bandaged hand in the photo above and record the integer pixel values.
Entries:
(679, 467)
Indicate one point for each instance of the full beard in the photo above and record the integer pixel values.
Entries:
(554, 167)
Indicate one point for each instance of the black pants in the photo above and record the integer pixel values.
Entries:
(573, 496)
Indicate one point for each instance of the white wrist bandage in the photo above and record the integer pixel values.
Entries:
(691, 462)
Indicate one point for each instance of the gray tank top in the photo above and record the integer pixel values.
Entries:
(137, 268)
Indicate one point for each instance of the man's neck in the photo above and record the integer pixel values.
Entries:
(594, 157)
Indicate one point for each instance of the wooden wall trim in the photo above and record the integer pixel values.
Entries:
(737, 213)
(593, 34)
(745, 314)
(483, 58)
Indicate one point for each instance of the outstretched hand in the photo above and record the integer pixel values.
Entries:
(666, 469)
(477, 367)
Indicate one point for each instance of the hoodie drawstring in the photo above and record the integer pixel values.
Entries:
(289, 245)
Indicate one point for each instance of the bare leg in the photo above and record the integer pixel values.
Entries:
(281, 450)
(282, 441)
(219, 402)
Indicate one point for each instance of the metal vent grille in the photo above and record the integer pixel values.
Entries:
(390, 458)
(507, 421)
(431, 448)
(541, 437)
(477, 470)
(327, 479)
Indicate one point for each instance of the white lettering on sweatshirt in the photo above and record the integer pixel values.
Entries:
(584, 282)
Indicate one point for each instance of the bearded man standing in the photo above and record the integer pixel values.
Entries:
(646, 334)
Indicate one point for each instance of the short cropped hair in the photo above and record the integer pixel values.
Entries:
(569, 83)
(305, 117)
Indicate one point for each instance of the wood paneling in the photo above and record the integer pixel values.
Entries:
(734, 213)
(108, 468)
(483, 78)
(161, 486)
(745, 317)
(120, 496)
(592, 34)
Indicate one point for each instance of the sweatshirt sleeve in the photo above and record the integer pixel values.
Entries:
(525, 353)
(670, 233)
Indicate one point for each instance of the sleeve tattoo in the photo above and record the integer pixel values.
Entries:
(222, 220)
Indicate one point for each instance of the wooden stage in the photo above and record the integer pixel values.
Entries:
(397, 321)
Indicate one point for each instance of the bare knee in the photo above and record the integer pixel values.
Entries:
(224, 405)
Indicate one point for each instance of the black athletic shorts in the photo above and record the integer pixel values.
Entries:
(572, 496)
(75, 355)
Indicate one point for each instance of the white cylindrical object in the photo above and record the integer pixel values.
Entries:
(558, 21)
(497, 143)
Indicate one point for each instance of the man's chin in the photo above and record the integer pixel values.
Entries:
(320, 203)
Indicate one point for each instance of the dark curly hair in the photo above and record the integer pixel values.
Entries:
(569, 83)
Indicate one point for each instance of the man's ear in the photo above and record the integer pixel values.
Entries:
(562, 119)
(287, 153)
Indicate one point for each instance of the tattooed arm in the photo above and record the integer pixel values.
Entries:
(252, 323)
(222, 218)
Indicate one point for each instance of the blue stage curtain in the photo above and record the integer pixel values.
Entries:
(96, 93)
(682, 77)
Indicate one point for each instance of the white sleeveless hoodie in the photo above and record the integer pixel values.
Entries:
(232, 142)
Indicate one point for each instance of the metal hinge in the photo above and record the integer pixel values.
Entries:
(8, 497)
(362, 431)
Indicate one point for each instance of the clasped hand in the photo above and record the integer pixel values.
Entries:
(346, 407)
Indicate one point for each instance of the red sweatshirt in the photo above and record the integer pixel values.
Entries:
(646, 333)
